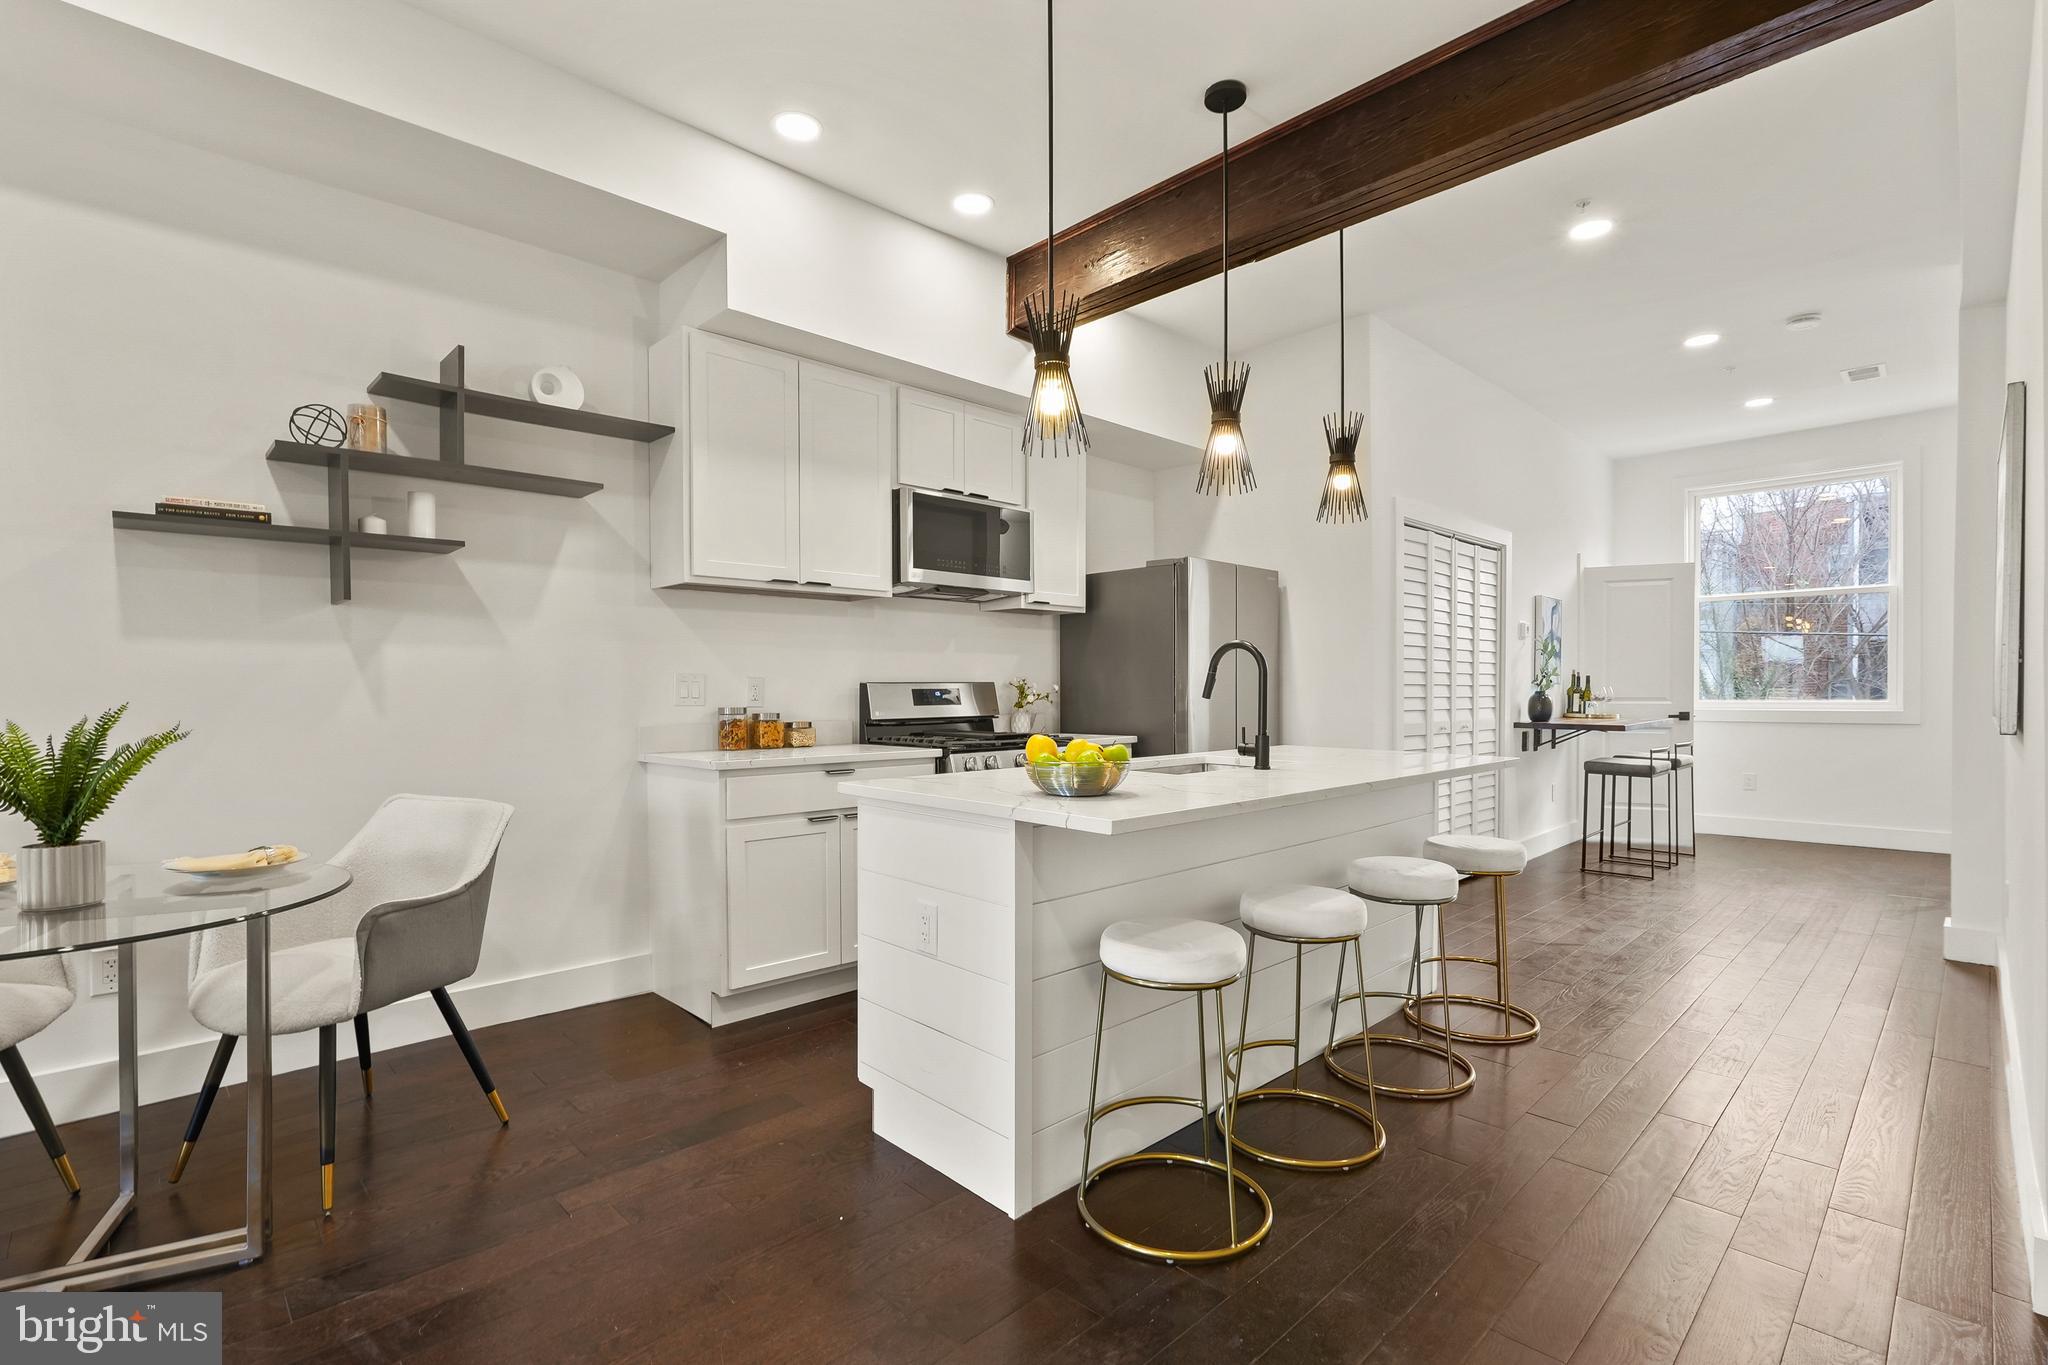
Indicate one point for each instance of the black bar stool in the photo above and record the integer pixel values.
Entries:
(1613, 772)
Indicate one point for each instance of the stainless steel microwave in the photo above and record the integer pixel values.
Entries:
(960, 547)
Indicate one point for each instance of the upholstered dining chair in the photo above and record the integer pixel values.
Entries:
(412, 920)
(34, 993)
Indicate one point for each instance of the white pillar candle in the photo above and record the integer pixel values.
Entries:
(372, 526)
(419, 515)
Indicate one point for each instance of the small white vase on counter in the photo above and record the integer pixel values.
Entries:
(1023, 722)
(61, 876)
(419, 515)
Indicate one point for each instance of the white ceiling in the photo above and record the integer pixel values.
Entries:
(1822, 183)
(1826, 182)
(922, 99)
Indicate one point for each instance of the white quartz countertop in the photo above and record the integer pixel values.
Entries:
(1150, 800)
(818, 756)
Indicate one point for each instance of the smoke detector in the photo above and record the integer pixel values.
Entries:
(1802, 322)
(1862, 374)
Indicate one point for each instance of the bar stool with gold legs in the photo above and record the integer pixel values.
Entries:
(1185, 955)
(1479, 855)
(1305, 916)
(1420, 884)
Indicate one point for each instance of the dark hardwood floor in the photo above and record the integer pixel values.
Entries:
(1764, 1122)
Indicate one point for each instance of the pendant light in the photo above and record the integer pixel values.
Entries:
(1344, 486)
(1226, 467)
(1053, 421)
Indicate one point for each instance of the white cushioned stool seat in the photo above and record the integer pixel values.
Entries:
(1477, 854)
(34, 993)
(1302, 911)
(311, 985)
(1178, 952)
(1404, 881)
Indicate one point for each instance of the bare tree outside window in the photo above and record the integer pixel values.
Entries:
(1796, 591)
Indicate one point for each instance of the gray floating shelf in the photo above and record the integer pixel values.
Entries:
(291, 535)
(420, 467)
(478, 403)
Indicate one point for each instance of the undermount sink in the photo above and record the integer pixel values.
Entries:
(1179, 769)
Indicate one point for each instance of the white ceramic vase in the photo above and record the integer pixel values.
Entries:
(61, 877)
(419, 515)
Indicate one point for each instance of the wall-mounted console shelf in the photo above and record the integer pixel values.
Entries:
(457, 402)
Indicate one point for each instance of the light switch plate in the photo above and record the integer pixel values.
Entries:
(690, 689)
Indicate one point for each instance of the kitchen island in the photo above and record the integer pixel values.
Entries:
(981, 901)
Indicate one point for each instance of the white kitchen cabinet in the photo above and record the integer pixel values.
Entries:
(1058, 489)
(782, 896)
(847, 438)
(743, 461)
(754, 861)
(955, 447)
(778, 477)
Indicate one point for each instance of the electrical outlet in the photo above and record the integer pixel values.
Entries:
(106, 972)
(757, 691)
(1749, 782)
(928, 928)
(690, 689)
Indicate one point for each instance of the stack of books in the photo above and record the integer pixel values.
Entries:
(217, 509)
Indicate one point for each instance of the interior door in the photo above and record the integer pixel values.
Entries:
(1450, 589)
(848, 437)
(1640, 638)
(743, 461)
(783, 892)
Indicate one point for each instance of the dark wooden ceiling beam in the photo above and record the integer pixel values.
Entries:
(1541, 76)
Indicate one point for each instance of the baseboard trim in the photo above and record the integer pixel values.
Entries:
(1550, 840)
(88, 1088)
(2033, 1213)
(1969, 943)
(1820, 832)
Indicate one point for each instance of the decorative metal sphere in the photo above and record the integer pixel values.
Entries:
(316, 424)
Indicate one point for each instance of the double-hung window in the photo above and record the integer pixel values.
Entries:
(1800, 593)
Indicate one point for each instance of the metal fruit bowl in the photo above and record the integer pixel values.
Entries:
(1077, 779)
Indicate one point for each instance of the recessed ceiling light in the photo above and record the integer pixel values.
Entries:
(1590, 229)
(1699, 341)
(798, 127)
(1760, 402)
(973, 204)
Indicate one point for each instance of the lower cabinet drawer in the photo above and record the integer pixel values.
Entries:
(795, 791)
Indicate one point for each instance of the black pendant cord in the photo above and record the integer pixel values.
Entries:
(1226, 239)
(1048, 157)
(1343, 323)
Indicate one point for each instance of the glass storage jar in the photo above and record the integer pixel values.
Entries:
(733, 730)
(768, 729)
(800, 734)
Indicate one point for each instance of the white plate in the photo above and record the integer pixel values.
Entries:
(230, 872)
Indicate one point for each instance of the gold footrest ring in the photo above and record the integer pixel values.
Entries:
(1303, 1163)
(1402, 1092)
(1238, 1246)
(1503, 1039)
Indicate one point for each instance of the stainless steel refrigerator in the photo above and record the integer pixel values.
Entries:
(1135, 661)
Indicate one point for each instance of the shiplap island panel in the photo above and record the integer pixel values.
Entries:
(980, 903)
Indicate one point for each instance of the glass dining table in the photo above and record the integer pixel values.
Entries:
(143, 903)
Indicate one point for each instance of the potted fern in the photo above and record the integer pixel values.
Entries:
(60, 789)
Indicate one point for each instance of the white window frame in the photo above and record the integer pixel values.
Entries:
(1900, 706)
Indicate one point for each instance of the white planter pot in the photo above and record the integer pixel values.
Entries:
(1023, 722)
(61, 878)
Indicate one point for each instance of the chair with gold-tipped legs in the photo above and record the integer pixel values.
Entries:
(1184, 956)
(1421, 884)
(1479, 855)
(411, 922)
(1304, 916)
(34, 993)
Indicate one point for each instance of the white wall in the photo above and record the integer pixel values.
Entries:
(1120, 513)
(166, 309)
(1441, 440)
(1870, 783)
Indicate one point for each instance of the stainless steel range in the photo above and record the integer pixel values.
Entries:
(959, 718)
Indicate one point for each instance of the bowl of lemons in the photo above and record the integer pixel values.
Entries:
(1083, 768)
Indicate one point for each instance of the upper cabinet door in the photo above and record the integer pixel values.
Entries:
(1059, 530)
(848, 441)
(744, 447)
(994, 449)
(929, 441)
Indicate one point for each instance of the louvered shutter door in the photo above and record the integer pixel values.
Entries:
(1450, 666)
